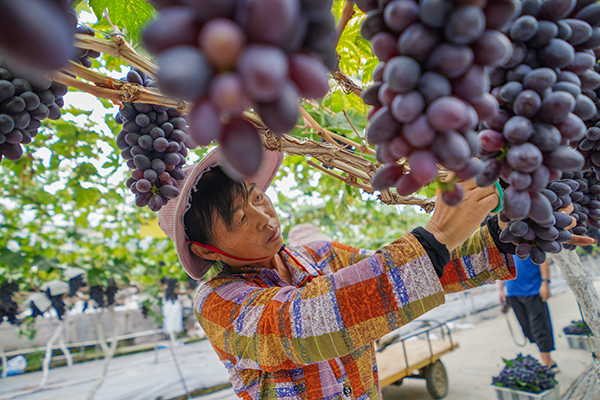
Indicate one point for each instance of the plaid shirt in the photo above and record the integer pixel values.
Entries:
(314, 340)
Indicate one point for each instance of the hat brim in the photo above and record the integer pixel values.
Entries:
(170, 217)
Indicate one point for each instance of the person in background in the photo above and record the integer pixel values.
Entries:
(527, 295)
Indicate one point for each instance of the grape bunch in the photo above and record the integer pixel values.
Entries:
(153, 141)
(8, 306)
(589, 146)
(26, 99)
(431, 87)
(543, 105)
(228, 56)
(97, 295)
(582, 189)
(577, 328)
(586, 202)
(535, 239)
(38, 33)
(170, 288)
(75, 284)
(83, 56)
(111, 291)
(525, 373)
(58, 303)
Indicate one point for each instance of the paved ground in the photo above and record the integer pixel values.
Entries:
(471, 367)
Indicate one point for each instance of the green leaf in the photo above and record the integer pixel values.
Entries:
(129, 15)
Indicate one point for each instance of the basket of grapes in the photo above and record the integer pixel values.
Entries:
(524, 378)
(579, 335)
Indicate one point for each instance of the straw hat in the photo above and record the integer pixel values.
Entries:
(170, 216)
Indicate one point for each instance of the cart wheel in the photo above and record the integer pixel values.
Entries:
(437, 380)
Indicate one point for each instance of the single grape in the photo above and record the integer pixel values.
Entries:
(465, 25)
(408, 106)
(222, 41)
(242, 146)
(423, 165)
(447, 113)
(517, 204)
(452, 150)
(264, 70)
(402, 74)
(184, 72)
(386, 176)
(525, 157)
(450, 60)
(281, 114)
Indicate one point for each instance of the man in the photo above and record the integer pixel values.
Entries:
(300, 322)
(527, 295)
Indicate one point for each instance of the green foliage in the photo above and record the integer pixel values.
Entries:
(129, 15)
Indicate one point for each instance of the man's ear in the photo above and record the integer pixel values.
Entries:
(205, 253)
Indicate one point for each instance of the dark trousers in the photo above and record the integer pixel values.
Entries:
(534, 317)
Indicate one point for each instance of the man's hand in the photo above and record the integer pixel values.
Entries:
(454, 225)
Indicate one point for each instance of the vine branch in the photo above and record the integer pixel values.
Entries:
(347, 14)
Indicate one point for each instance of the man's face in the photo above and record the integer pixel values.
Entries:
(255, 230)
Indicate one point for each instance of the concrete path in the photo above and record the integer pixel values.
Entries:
(142, 376)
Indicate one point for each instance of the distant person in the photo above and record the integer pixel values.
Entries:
(527, 295)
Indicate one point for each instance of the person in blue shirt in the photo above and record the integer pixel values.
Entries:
(527, 295)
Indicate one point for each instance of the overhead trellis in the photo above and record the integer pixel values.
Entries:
(350, 161)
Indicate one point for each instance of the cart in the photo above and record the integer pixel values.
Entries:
(417, 355)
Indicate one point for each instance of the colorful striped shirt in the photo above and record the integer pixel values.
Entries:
(314, 339)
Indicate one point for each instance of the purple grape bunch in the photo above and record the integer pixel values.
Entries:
(9, 309)
(543, 105)
(153, 141)
(45, 32)
(577, 328)
(431, 87)
(589, 146)
(582, 189)
(534, 239)
(586, 202)
(525, 373)
(227, 56)
(26, 99)
(84, 56)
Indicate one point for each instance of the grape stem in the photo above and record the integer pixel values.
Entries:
(347, 84)
(329, 136)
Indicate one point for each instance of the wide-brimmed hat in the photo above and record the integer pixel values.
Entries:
(170, 216)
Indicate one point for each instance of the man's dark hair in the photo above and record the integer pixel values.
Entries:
(215, 198)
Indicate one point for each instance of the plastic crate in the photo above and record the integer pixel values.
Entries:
(510, 394)
(580, 342)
